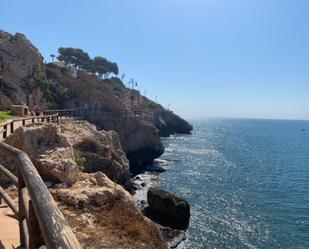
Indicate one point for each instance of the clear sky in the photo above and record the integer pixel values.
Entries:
(229, 58)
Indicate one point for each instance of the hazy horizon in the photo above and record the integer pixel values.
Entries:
(204, 58)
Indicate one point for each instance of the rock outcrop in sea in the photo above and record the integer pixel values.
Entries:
(168, 209)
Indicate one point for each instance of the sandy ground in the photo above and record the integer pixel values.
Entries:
(9, 231)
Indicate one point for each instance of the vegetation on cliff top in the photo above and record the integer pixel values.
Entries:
(80, 59)
(55, 95)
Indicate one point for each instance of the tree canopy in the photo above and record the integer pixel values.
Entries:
(81, 60)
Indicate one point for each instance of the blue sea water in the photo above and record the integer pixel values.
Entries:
(247, 182)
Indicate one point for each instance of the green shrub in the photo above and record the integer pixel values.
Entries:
(152, 105)
(44, 84)
(80, 160)
(52, 65)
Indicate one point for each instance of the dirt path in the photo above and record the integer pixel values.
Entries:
(9, 231)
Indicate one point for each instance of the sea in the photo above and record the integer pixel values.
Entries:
(246, 180)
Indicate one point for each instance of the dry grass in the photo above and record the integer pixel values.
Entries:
(117, 225)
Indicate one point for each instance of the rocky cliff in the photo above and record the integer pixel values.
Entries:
(59, 152)
(26, 79)
(139, 138)
(164, 120)
(18, 58)
(101, 213)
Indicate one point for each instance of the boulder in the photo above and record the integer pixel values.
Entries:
(168, 209)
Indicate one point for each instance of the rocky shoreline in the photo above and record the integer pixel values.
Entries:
(145, 180)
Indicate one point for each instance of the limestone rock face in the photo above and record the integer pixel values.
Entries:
(169, 123)
(88, 90)
(100, 150)
(18, 58)
(59, 152)
(49, 151)
(168, 209)
(140, 139)
(104, 215)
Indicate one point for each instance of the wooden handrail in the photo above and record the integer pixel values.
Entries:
(27, 118)
(9, 175)
(94, 111)
(9, 126)
(53, 226)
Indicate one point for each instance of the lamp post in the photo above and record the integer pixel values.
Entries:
(132, 83)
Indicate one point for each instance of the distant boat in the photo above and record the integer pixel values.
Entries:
(303, 129)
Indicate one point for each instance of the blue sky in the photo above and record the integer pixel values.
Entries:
(240, 58)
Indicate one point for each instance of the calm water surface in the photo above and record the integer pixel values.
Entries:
(247, 182)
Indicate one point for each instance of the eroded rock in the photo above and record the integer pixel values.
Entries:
(50, 152)
(167, 209)
(101, 151)
(59, 152)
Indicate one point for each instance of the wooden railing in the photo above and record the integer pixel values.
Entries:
(41, 224)
(84, 113)
(10, 126)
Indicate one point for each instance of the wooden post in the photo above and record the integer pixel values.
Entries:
(5, 132)
(24, 122)
(35, 239)
(21, 185)
(12, 126)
